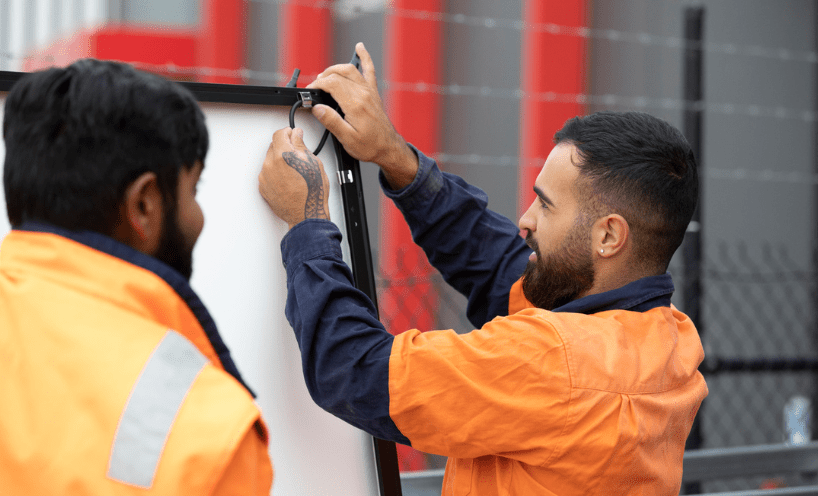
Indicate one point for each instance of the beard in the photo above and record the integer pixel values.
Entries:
(563, 275)
(173, 249)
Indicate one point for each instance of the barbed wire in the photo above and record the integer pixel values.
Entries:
(737, 174)
(607, 100)
(487, 22)
(610, 100)
(172, 69)
(339, 9)
(764, 176)
(640, 102)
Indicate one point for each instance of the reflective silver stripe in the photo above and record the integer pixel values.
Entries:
(151, 409)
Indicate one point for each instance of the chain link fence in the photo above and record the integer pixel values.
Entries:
(757, 325)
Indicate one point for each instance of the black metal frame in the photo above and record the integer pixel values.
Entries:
(352, 194)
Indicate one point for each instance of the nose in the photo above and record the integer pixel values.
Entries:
(527, 221)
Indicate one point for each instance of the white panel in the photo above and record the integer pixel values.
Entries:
(239, 276)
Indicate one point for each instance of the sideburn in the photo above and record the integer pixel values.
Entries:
(172, 249)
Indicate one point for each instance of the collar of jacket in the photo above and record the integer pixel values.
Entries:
(174, 279)
(638, 296)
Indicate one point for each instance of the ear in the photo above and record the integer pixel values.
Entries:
(141, 214)
(609, 235)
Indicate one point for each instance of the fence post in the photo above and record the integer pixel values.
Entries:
(813, 425)
(692, 246)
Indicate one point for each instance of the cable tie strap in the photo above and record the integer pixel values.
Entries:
(345, 177)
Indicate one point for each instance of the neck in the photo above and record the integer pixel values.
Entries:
(612, 275)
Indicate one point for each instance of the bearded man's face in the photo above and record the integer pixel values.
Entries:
(182, 224)
(561, 269)
(174, 249)
(562, 275)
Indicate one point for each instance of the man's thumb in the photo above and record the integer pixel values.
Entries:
(330, 119)
(298, 139)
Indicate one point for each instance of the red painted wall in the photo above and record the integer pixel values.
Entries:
(305, 39)
(411, 301)
(552, 61)
(220, 45)
(150, 49)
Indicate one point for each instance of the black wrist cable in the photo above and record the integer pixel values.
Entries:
(305, 96)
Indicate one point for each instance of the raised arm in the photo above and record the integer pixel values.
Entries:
(478, 252)
(356, 370)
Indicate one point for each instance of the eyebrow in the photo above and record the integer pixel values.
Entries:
(543, 196)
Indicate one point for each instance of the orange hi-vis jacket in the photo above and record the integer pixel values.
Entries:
(615, 400)
(596, 396)
(110, 384)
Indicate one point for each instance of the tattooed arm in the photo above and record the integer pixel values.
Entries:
(311, 170)
(344, 349)
(292, 180)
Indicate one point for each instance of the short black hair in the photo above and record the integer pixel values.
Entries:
(76, 137)
(642, 168)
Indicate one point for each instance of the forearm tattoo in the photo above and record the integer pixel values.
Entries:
(310, 170)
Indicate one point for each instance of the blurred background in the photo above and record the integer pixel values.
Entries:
(482, 85)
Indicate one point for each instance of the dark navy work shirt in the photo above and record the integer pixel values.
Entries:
(345, 349)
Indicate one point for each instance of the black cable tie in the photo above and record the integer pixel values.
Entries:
(294, 80)
(305, 100)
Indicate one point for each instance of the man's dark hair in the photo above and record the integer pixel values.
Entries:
(642, 168)
(76, 137)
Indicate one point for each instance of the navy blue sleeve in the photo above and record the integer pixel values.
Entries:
(344, 348)
(479, 252)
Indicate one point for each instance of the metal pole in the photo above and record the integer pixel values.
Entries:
(692, 246)
(386, 457)
(815, 223)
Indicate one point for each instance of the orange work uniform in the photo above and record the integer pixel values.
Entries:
(555, 403)
(110, 383)
(595, 397)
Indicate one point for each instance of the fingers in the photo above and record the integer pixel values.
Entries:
(367, 65)
(332, 69)
(282, 139)
(288, 139)
(280, 143)
(297, 139)
(348, 71)
(345, 71)
(341, 89)
(333, 121)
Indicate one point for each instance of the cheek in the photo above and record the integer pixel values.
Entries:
(552, 235)
(191, 221)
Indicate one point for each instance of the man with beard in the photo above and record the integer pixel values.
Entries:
(580, 377)
(114, 377)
